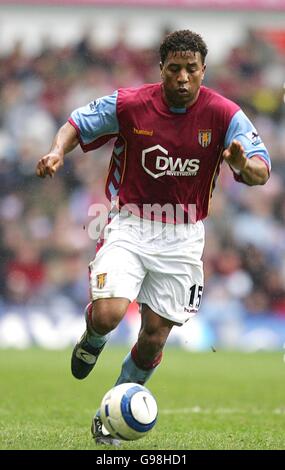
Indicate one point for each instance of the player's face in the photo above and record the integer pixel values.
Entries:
(182, 74)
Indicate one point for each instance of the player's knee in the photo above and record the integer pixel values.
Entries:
(107, 314)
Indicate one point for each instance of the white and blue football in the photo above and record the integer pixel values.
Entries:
(128, 411)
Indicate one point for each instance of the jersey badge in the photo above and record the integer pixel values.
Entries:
(93, 105)
(205, 137)
(253, 137)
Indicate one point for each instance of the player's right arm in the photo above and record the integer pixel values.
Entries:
(65, 140)
(90, 126)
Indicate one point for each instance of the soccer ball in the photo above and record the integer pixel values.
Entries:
(128, 411)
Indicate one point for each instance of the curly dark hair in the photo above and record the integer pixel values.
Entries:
(183, 40)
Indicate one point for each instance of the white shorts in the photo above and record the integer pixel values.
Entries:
(155, 263)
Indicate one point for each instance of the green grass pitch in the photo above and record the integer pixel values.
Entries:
(221, 400)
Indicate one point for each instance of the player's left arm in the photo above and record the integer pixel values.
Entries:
(245, 152)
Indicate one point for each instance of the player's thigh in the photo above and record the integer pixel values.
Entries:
(115, 272)
(175, 296)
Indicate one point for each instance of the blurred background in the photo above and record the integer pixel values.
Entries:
(63, 54)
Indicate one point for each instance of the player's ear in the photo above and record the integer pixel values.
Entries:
(203, 71)
(161, 68)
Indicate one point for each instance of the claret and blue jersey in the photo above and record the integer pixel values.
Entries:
(165, 155)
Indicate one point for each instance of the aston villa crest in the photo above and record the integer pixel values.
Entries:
(205, 137)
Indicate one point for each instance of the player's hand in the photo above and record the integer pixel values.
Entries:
(235, 156)
(48, 165)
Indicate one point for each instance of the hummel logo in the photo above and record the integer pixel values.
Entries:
(85, 356)
(142, 132)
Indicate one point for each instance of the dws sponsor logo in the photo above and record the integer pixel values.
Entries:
(160, 164)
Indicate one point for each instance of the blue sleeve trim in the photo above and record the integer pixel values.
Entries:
(97, 119)
(242, 129)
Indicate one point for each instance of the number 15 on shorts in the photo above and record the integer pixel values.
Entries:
(195, 296)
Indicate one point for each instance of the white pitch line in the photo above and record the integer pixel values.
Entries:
(198, 409)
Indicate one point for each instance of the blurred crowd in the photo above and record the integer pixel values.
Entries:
(45, 244)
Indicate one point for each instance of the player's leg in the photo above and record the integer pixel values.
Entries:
(146, 354)
(102, 316)
(116, 275)
(170, 294)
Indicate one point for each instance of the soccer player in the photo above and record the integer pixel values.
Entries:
(171, 138)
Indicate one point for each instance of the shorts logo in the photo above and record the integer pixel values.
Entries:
(101, 280)
(205, 137)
